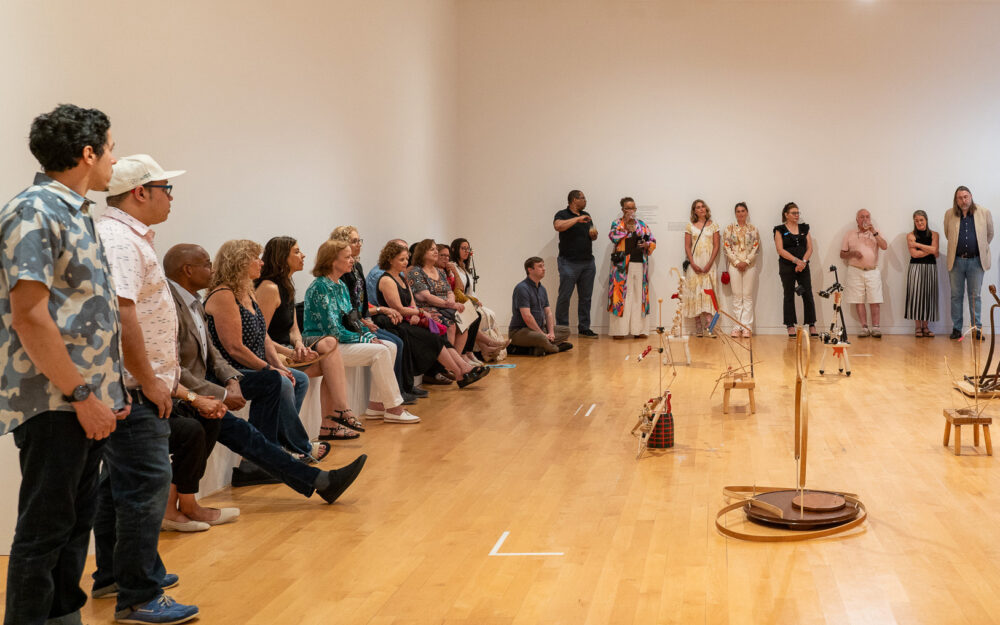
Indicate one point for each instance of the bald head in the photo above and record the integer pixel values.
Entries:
(188, 265)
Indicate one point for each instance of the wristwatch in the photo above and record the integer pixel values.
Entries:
(190, 397)
(79, 393)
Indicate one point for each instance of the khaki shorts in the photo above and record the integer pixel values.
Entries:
(863, 286)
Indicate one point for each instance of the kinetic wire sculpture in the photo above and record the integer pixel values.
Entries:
(836, 338)
(986, 384)
(655, 426)
(737, 374)
(812, 513)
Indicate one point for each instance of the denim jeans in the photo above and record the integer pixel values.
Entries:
(245, 440)
(579, 274)
(132, 497)
(274, 407)
(55, 512)
(966, 275)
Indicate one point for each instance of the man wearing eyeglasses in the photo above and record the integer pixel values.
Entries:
(136, 478)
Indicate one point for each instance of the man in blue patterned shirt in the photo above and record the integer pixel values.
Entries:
(60, 341)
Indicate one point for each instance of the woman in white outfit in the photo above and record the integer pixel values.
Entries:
(328, 312)
(742, 242)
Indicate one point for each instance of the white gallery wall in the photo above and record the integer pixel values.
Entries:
(833, 105)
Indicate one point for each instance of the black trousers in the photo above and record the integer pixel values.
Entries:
(789, 278)
(192, 439)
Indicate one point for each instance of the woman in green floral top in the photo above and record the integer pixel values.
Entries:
(326, 303)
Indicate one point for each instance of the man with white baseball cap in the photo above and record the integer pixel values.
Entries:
(136, 477)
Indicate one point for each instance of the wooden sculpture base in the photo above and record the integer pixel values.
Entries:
(783, 508)
(958, 417)
(968, 389)
(738, 383)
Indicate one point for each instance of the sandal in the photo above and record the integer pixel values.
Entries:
(336, 433)
(813, 334)
(791, 331)
(347, 419)
(320, 451)
(928, 334)
(919, 333)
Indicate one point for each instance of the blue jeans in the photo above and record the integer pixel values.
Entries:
(579, 274)
(132, 496)
(966, 275)
(274, 407)
(55, 511)
(245, 440)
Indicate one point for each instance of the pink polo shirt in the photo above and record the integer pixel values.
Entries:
(865, 243)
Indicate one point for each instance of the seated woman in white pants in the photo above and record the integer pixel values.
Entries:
(326, 304)
(742, 242)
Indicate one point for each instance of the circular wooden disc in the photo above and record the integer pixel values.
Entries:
(793, 517)
(819, 501)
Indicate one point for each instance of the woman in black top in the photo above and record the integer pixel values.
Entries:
(276, 296)
(794, 245)
(921, 279)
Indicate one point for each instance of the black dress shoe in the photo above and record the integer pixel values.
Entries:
(956, 334)
(588, 334)
(565, 346)
(242, 477)
(419, 392)
(341, 479)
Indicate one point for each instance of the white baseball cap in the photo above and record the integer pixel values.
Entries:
(136, 170)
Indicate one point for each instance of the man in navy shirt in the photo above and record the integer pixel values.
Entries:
(531, 323)
(969, 230)
(576, 261)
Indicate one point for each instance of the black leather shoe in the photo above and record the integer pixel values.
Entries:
(419, 392)
(588, 334)
(565, 347)
(956, 334)
(342, 478)
(256, 477)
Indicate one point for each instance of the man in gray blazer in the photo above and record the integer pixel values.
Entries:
(969, 230)
(189, 269)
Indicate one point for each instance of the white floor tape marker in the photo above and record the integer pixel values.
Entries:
(496, 549)
(591, 410)
(578, 410)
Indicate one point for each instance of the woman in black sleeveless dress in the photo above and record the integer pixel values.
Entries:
(276, 295)
(794, 245)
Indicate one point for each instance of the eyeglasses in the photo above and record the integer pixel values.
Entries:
(167, 188)
(356, 241)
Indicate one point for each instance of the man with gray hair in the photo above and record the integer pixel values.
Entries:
(864, 280)
(969, 230)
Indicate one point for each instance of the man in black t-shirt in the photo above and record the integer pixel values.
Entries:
(576, 261)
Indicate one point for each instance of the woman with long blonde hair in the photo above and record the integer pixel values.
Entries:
(238, 329)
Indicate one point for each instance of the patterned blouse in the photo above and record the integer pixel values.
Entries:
(326, 304)
(254, 331)
(419, 281)
(741, 243)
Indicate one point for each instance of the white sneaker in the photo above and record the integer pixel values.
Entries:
(475, 362)
(372, 414)
(404, 417)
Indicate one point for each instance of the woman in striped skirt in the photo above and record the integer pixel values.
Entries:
(921, 280)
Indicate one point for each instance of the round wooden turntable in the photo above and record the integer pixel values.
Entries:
(800, 510)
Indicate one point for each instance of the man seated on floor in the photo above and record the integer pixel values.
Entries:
(532, 326)
(189, 270)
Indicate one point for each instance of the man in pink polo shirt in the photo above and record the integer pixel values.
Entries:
(864, 280)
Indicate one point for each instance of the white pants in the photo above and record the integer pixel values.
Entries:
(743, 284)
(379, 358)
(632, 320)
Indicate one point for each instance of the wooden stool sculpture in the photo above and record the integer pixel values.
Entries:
(811, 513)
(737, 375)
(981, 388)
(655, 427)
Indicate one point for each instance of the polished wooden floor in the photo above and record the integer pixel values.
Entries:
(519, 453)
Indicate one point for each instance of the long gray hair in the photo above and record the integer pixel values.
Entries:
(920, 213)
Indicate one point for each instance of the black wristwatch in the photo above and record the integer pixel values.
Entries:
(79, 393)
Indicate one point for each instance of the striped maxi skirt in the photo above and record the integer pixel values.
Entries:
(922, 292)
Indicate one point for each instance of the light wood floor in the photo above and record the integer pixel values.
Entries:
(409, 543)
